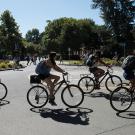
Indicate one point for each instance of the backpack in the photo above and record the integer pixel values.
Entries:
(42, 69)
(129, 63)
(90, 61)
(35, 79)
(39, 69)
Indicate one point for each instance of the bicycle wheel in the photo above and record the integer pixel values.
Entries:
(86, 83)
(121, 99)
(37, 96)
(72, 96)
(113, 82)
(3, 91)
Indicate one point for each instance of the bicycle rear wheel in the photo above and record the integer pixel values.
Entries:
(121, 99)
(86, 83)
(37, 96)
(113, 82)
(72, 96)
(3, 91)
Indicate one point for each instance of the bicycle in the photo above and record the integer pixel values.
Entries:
(3, 90)
(88, 84)
(71, 95)
(122, 98)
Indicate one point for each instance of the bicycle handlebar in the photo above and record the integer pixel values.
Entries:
(109, 69)
(65, 79)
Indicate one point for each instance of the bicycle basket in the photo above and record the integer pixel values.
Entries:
(35, 79)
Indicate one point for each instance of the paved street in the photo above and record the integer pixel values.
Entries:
(93, 117)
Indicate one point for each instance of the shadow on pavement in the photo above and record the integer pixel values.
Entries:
(4, 102)
(126, 115)
(99, 94)
(70, 115)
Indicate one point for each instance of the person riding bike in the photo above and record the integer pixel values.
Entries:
(92, 63)
(128, 66)
(43, 70)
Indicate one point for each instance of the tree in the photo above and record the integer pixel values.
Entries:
(33, 36)
(10, 32)
(119, 17)
(64, 33)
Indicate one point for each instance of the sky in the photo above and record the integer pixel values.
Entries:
(29, 14)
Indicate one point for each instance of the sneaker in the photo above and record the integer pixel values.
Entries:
(52, 102)
(97, 86)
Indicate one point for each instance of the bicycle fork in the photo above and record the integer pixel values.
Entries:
(70, 91)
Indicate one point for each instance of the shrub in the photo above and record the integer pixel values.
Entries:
(3, 65)
(10, 65)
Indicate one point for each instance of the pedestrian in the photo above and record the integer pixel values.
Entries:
(61, 59)
(28, 59)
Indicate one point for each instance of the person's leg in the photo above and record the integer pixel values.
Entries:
(129, 75)
(50, 85)
(132, 84)
(55, 78)
(98, 73)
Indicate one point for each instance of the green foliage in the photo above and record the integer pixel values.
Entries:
(64, 33)
(33, 36)
(5, 64)
(111, 61)
(119, 17)
(9, 33)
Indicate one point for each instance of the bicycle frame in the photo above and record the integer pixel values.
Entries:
(103, 77)
(59, 84)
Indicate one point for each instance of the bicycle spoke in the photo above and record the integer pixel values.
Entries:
(121, 99)
(86, 84)
(113, 82)
(37, 96)
(72, 96)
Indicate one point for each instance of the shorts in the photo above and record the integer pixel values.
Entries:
(42, 77)
(92, 70)
(129, 75)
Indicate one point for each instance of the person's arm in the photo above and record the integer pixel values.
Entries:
(102, 62)
(57, 68)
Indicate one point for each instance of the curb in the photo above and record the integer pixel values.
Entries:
(12, 68)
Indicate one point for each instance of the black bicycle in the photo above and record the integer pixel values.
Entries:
(122, 98)
(3, 90)
(88, 84)
(71, 95)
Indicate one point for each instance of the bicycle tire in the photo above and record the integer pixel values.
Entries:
(34, 101)
(111, 83)
(120, 102)
(83, 84)
(77, 94)
(3, 91)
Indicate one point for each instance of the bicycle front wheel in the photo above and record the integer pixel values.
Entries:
(113, 82)
(86, 84)
(37, 96)
(3, 91)
(121, 99)
(72, 96)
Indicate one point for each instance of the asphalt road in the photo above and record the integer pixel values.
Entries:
(93, 117)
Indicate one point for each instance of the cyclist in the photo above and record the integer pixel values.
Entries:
(128, 66)
(43, 70)
(92, 63)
